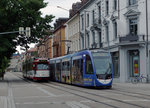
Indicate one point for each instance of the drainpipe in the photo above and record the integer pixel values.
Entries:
(118, 9)
(85, 30)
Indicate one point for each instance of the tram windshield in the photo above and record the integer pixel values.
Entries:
(42, 66)
(102, 63)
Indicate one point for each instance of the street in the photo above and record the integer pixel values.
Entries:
(15, 92)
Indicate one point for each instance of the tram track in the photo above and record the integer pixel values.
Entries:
(127, 93)
(147, 95)
(93, 94)
(52, 85)
(94, 100)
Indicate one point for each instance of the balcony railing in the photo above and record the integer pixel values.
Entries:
(132, 38)
(96, 24)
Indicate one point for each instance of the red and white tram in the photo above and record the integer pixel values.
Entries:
(37, 69)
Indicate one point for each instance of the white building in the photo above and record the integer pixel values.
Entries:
(72, 34)
(121, 27)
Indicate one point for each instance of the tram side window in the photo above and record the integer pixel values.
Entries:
(78, 68)
(58, 69)
(89, 67)
(65, 66)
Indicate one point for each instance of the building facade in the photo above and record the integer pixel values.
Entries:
(121, 27)
(48, 47)
(72, 33)
(59, 36)
(41, 49)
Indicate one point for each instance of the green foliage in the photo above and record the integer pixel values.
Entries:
(4, 64)
(21, 13)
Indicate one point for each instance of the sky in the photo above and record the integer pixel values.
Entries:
(57, 12)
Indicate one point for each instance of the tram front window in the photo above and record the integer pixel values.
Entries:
(42, 66)
(102, 64)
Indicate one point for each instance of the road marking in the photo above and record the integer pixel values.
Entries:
(43, 96)
(46, 92)
(74, 104)
(25, 85)
(3, 101)
(137, 100)
(11, 102)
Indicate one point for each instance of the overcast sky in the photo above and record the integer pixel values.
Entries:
(57, 12)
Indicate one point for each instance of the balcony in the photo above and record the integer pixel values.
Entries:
(132, 39)
(96, 25)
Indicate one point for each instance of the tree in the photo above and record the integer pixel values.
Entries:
(21, 13)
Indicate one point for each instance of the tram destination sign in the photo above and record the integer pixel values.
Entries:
(104, 54)
(42, 60)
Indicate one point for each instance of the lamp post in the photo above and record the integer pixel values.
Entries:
(68, 46)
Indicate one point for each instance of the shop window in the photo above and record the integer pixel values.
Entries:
(134, 63)
(115, 60)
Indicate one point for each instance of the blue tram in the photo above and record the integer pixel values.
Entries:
(92, 68)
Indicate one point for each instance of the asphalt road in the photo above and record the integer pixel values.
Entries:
(15, 92)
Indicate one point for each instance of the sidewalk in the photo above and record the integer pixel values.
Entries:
(143, 88)
(4, 93)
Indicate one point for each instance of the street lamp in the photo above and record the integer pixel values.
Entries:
(68, 45)
(62, 8)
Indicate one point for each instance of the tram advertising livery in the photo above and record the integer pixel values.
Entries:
(37, 69)
(92, 68)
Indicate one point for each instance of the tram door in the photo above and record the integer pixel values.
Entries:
(134, 63)
(58, 71)
(77, 71)
(88, 71)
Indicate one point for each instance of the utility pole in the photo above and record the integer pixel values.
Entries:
(26, 33)
(147, 51)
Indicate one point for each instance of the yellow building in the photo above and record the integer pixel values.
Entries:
(59, 37)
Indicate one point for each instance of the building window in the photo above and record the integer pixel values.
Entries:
(132, 2)
(115, 30)
(107, 33)
(93, 16)
(87, 20)
(107, 7)
(115, 5)
(93, 34)
(82, 42)
(82, 22)
(133, 26)
(100, 41)
(99, 12)
(88, 40)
